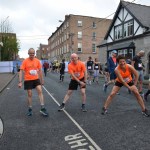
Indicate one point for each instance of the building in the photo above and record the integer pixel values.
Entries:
(42, 53)
(128, 33)
(77, 34)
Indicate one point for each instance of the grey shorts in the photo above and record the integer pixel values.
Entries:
(141, 75)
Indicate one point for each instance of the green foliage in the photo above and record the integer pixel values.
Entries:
(10, 48)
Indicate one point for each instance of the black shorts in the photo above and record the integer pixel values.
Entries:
(73, 85)
(120, 84)
(31, 84)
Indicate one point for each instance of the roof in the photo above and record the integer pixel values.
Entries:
(141, 13)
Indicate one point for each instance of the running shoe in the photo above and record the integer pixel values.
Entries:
(145, 97)
(61, 107)
(104, 111)
(43, 112)
(83, 108)
(29, 112)
(105, 88)
(145, 113)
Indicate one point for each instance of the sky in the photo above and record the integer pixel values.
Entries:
(34, 21)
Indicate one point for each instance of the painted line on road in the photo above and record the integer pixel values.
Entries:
(79, 127)
(1, 127)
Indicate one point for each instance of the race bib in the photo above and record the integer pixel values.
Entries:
(89, 67)
(126, 79)
(77, 74)
(96, 67)
(33, 72)
(140, 65)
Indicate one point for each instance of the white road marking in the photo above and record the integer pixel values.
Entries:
(79, 127)
(1, 127)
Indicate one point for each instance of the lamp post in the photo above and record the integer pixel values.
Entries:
(1, 43)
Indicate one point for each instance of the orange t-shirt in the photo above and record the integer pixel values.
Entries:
(31, 68)
(77, 69)
(125, 75)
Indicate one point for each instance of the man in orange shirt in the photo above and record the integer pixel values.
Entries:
(78, 73)
(33, 78)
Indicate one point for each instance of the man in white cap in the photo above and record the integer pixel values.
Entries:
(112, 64)
(78, 73)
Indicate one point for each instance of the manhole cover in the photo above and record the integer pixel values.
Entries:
(1, 127)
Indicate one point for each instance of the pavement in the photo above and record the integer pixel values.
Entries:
(5, 79)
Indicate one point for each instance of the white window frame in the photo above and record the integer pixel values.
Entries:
(79, 23)
(80, 47)
(80, 35)
(93, 48)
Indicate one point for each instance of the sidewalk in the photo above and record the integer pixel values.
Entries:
(5, 79)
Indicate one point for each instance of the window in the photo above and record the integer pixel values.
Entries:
(94, 25)
(80, 35)
(94, 35)
(128, 29)
(93, 48)
(79, 23)
(79, 47)
(118, 32)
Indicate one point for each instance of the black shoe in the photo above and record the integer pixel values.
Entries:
(43, 112)
(104, 111)
(83, 108)
(145, 97)
(61, 107)
(29, 112)
(145, 113)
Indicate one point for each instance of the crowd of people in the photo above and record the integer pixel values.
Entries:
(118, 70)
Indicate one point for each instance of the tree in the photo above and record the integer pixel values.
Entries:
(11, 46)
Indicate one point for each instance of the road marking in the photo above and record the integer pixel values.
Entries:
(79, 127)
(1, 128)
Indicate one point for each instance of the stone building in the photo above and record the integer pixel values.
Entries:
(128, 33)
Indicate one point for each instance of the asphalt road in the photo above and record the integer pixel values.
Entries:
(123, 128)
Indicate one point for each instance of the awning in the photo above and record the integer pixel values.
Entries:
(122, 45)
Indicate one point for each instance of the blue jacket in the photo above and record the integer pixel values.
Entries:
(111, 65)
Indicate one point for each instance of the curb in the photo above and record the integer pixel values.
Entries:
(7, 83)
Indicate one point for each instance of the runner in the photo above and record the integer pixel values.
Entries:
(123, 73)
(78, 74)
(89, 65)
(33, 78)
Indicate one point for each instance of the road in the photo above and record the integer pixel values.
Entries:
(123, 128)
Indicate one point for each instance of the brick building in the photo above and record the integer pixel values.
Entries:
(42, 53)
(77, 34)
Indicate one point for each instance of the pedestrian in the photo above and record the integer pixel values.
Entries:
(33, 78)
(46, 67)
(111, 64)
(123, 72)
(90, 70)
(62, 70)
(138, 65)
(77, 70)
(147, 93)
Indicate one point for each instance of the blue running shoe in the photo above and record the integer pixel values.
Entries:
(44, 112)
(29, 112)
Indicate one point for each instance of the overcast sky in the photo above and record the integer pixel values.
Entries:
(34, 21)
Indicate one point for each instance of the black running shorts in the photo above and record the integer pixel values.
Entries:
(120, 84)
(73, 85)
(31, 84)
